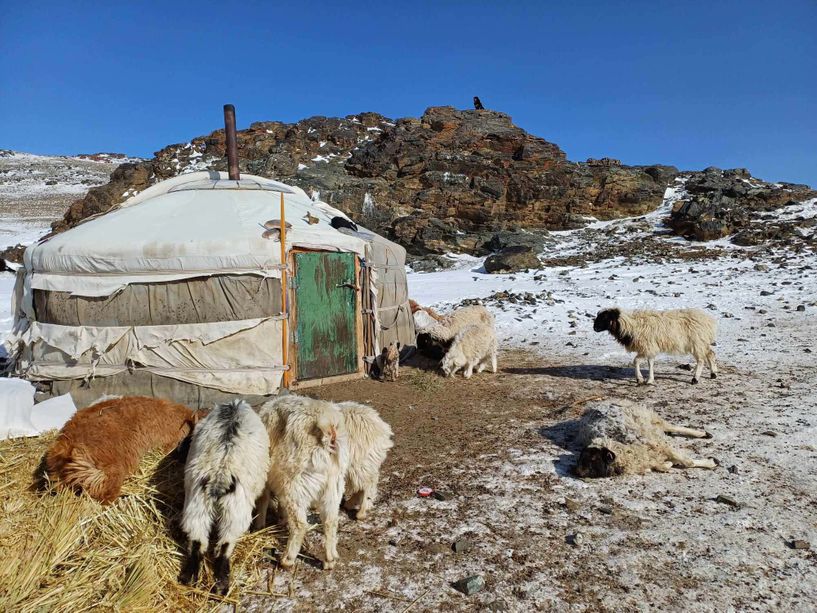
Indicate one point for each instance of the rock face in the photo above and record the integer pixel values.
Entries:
(723, 202)
(455, 180)
(446, 181)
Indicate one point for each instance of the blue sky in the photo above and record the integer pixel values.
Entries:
(695, 83)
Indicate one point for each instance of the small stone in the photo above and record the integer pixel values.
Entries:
(461, 545)
(762, 311)
(685, 366)
(441, 495)
(766, 292)
(799, 544)
(761, 268)
(392, 542)
(572, 505)
(728, 501)
(605, 510)
(575, 539)
(733, 469)
(801, 307)
(469, 585)
(771, 433)
(436, 548)
(496, 606)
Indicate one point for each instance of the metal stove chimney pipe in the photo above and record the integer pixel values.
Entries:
(232, 148)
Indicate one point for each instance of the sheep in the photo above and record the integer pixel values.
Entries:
(622, 437)
(309, 454)
(370, 439)
(389, 362)
(224, 475)
(473, 346)
(101, 445)
(648, 333)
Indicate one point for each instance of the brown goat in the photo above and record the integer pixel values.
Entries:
(414, 306)
(101, 445)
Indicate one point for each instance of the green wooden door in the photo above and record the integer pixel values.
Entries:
(326, 298)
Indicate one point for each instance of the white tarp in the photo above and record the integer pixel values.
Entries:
(241, 357)
(19, 416)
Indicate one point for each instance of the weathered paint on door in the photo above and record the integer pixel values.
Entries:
(326, 299)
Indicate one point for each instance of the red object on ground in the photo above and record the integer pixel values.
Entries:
(425, 492)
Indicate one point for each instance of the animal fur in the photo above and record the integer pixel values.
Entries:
(309, 454)
(474, 346)
(101, 445)
(650, 333)
(225, 473)
(431, 347)
(389, 362)
(370, 439)
(622, 437)
(415, 308)
(478, 104)
(448, 327)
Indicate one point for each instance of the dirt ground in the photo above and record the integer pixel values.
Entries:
(498, 447)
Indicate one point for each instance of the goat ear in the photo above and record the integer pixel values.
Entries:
(609, 456)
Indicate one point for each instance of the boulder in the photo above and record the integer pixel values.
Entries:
(512, 259)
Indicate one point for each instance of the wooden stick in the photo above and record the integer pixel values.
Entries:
(416, 600)
(284, 309)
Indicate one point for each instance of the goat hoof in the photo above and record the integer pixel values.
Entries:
(329, 564)
(650, 382)
(708, 435)
(695, 382)
(287, 564)
(221, 588)
(716, 461)
(714, 375)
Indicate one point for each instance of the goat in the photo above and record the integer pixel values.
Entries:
(101, 445)
(473, 346)
(224, 474)
(389, 362)
(309, 456)
(370, 439)
(649, 333)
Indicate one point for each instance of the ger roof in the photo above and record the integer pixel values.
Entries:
(199, 223)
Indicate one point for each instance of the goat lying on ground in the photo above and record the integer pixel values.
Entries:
(370, 439)
(101, 445)
(309, 457)
(474, 346)
(622, 437)
(649, 333)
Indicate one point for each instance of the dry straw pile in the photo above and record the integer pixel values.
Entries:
(63, 552)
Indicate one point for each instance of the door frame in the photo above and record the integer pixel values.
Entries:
(292, 318)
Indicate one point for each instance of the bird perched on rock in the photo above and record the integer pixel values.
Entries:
(478, 104)
(311, 219)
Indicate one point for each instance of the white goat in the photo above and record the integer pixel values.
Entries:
(224, 475)
(622, 437)
(309, 455)
(474, 346)
(649, 333)
(370, 439)
(450, 325)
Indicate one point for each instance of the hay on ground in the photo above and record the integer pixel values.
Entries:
(63, 551)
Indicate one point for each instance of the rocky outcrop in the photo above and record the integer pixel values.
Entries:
(723, 202)
(512, 259)
(446, 181)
